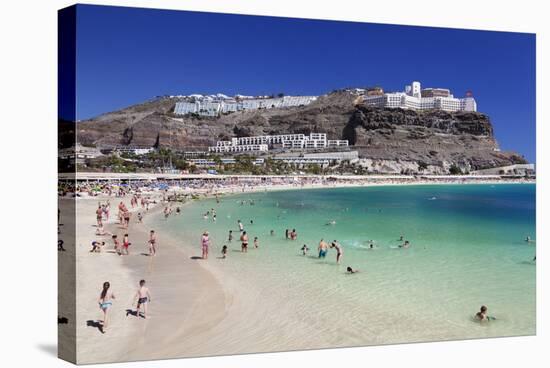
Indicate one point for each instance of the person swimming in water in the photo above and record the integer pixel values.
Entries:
(406, 244)
(304, 249)
(482, 315)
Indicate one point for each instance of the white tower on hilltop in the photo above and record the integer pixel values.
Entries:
(415, 89)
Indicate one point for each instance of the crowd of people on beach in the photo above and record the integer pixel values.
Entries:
(142, 194)
(138, 203)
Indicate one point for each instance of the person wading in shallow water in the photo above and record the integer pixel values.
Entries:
(244, 242)
(339, 250)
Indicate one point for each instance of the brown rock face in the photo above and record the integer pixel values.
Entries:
(434, 137)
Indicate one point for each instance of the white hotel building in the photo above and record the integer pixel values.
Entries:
(205, 106)
(261, 143)
(414, 97)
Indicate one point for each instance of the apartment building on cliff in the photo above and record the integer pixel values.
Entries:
(414, 97)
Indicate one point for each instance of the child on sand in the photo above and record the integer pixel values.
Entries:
(224, 251)
(140, 217)
(230, 237)
(105, 303)
(126, 244)
(256, 242)
(143, 297)
(96, 246)
(117, 245)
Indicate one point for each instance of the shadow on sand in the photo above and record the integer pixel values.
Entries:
(196, 257)
(95, 324)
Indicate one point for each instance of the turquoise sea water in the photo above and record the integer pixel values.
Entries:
(467, 249)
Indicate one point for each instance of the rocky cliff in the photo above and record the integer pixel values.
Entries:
(432, 139)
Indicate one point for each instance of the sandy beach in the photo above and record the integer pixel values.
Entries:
(185, 298)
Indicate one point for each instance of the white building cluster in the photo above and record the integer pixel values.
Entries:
(414, 97)
(221, 104)
(262, 143)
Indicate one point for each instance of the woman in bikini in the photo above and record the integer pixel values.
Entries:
(105, 303)
(339, 251)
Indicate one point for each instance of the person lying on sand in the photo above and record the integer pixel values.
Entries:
(350, 270)
(100, 231)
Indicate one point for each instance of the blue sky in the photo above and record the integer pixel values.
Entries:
(128, 55)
